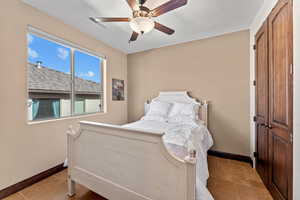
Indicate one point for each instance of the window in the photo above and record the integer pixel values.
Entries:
(63, 80)
(47, 108)
(87, 83)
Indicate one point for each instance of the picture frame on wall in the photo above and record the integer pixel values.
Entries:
(118, 88)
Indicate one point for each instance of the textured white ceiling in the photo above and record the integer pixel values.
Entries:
(198, 19)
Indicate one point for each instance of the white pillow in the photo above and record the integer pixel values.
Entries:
(158, 108)
(184, 109)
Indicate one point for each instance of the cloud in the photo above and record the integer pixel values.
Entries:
(89, 74)
(29, 39)
(62, 53)
(32, 53)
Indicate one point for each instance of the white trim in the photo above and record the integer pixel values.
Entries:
(83, 116)
(296, 152)
(72, 95)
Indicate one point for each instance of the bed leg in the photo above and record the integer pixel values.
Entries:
(71, 187)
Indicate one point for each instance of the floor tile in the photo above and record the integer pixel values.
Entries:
(223, 190)
(251, 193)
(231, 179)
(16, 196)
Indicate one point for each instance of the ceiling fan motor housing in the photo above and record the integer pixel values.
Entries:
(141, 2)
(143, 12)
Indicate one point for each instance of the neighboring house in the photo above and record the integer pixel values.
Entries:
(50, 94)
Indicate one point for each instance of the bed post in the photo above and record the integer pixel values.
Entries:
(191, 174)
(71, 187)
(71, 134)
(204, 112)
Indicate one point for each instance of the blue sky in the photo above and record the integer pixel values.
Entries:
(57, 57)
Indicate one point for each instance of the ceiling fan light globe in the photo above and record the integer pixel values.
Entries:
(142, 24)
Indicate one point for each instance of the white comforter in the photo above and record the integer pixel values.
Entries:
(189, 135)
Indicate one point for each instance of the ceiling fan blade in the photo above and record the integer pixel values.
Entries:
(166, 7)
(96, 21)
(133, 4)
(113, 19)
(163, 28)
(133, 37)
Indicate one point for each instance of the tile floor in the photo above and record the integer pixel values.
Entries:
(230, 180)
(233, 180)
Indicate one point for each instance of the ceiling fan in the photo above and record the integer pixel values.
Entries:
(142, 17)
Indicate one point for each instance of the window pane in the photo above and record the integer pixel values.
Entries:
(88, 83)
(49, 79)
(79, 106)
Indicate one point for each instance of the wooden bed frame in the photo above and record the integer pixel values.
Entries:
(124, 164)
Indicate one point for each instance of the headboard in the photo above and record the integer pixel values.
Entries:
(183, 97)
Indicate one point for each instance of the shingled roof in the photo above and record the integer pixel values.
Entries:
(47, 80)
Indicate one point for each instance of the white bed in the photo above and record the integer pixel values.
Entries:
(175, 135)
(146, 160)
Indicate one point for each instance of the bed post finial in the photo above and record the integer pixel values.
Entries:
(74, 133)
(191, 157)
(71, 131)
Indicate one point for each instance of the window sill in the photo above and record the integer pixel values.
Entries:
(66, 118)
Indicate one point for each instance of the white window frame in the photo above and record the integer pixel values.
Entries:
(73, 47)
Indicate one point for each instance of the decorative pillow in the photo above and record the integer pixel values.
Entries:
(158, 108)
(179, 109)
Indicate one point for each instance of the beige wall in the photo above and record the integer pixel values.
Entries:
(215, 69)
(26, 150)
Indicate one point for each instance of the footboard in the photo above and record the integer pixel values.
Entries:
(124, 164)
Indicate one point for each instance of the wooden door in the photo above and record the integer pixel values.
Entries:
(262, 102)
(281, 101)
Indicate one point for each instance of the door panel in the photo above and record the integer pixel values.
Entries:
(280, 106)
(262, 101)
(262, 153)
(280, 160)
(279, 67)
(279, 171)
(262, 74)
